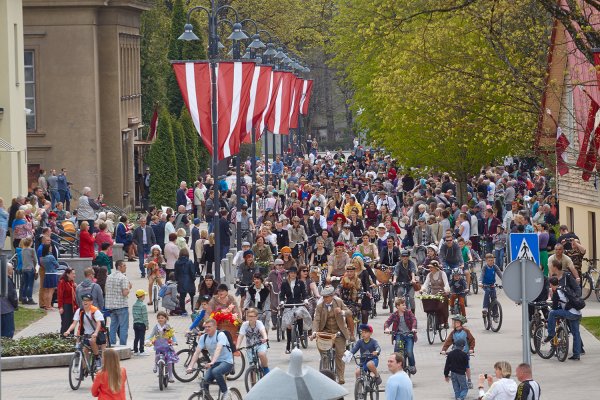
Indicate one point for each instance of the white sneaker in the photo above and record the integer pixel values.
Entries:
(135, 353)
(143, 354)
(226, 395)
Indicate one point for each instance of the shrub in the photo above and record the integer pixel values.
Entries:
(44, 343)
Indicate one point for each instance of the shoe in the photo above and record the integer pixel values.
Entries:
(470, 384)
(155, 369)
(151, 303)
(274, 328)
(171, 380)
(22, 301)
(341, 381)
(135, 353)
(144, 354)
(287, 351)
(574, 358)
(226, 395)
(33, 303)
(184, 314)
(143, 276)
(378, 380)
(495, 319)
(582, 352)
(385, 306)
(413, 370)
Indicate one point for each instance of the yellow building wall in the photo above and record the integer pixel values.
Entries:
(583, 221)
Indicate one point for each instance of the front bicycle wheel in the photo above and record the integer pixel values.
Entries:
(279, 331)
(543, 349)
(496, 316)
(486, 319)
(359, 390)
(75, 371)
(474, 284)
(430, 328)
(532, 338)
(443, 332)
(324, 363)
(586, 286)
(304, 339)
(155, 298)
(198, 396)
(562, 348)
(239, 365)
(180, 368)
(235, 394)
(252, 376)
(161, 375)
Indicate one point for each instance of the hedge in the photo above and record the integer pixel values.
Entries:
(44, 343)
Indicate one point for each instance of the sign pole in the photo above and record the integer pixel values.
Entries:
(525, 315)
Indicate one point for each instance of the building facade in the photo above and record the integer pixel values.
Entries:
(13, 154)
(82, 78)
(571, 83)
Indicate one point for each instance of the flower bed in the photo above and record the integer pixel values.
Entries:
(44, 343)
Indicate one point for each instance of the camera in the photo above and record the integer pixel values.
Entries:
(485, 376)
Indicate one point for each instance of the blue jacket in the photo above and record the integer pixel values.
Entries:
(277, 167)
(181, 197)
(62, 182)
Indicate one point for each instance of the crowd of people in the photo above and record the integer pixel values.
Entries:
(334, 236)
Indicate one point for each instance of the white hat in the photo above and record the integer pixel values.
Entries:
(381, 226)
(318, 209)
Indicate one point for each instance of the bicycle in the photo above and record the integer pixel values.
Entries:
(325, 345)
(154, 294)
(420, 253)
(474, 285)
(298, 338)
(204, 394)
(255, 371)
(537, 320)
(587, 280)
(161, 346)
(82, 365)
(405, 286)
(492, 316)
(399, 348)
(365, 384)
(431, 307)
(455, 308)
(375, 296)
(558, 346)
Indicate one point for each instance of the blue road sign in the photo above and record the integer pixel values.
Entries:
(525, 245)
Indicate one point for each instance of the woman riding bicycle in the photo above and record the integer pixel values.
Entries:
(259, 298)
(437, 283)
(367, 281)
(293, 291)
(337, 261)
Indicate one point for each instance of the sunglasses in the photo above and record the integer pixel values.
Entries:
(449, 240)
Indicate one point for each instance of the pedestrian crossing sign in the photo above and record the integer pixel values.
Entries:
(525, 245)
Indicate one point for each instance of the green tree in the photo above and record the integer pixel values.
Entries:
(181, 151)
(163, 164)
(192, 144)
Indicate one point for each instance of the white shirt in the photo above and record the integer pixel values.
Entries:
(169, 228)
(502, 389)
(88, 328)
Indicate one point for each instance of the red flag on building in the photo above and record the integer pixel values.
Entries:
(279, 119)
(298, 85)
(589, 146)
(233, 96)
(153, 124)
(260, 93)
(306, 94)
(562, 143)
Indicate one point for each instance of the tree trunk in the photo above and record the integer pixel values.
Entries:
(329, 112)
(461, 187)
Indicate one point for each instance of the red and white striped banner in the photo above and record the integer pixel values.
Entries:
(306, 94)
(274, 83)
(260, 95)
(298, 85)
(279, 119)
(234, 80)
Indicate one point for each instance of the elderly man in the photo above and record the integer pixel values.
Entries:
(182, 198)
(117, 291)
(87, 208)
(333, 316)
(144, 239)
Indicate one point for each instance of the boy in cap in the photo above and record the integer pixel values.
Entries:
(90, 321)
(139, 313)
(456, 366)
(369, 351)
(460, 332)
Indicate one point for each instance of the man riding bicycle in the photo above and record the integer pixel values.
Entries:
(404, 274)
(402, 324)
(221, 357)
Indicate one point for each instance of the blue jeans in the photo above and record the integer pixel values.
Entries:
(143, 251)
(27, 279)
(459, 383)
(487, 294)
(55, 197)
(573, 320)
(8, 325)
(218, 372)
(119, 322)
(499, 256)
(448, 267)
(224, 250)
(409, 344)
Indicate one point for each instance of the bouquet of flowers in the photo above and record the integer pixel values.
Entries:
(226, 315)
(437, 297)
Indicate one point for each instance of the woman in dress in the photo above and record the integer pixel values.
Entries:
(67, 305)
(51, 276)
(311, 290)
(262, 252)
(368, 249)
(288, 260)
(437, 283)
(293, 291)
(109, 383)
(21, 228)
(223, 301)
(86, 241)
(337, 261)
(275, 280)
(208, 254)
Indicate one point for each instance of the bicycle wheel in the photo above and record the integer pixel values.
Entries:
(487, 319)
(295, 339)
(359, 390)
(324, 363)
(562, 348)
(252, 376)
(179, 369)
(161, 375)
(586, 286)
(239, 365)
(430, 328)
(496, 316)
(92, 365)
(543, 349)
(532, 338)
(304, 340)
(279, 330)
(75, 371)
(235, 394)
(374, 392)
(155, 298)
(198, 396)
(474, 284)
(443, 332)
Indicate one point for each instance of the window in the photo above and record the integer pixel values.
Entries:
(592, 235)
(570, 219)
(30, 90)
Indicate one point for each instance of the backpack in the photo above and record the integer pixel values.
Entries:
(163, 291)
(573, 300)
(231, 346)
(92, 320)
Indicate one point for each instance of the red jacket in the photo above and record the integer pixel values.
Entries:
(102, 391)
(86, 244)
(66, 293)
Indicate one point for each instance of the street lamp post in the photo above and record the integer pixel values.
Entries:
(213, 54)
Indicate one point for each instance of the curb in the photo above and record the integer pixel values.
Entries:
(51, 360)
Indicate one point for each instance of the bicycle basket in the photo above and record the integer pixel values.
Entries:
(432, 305)
(161, 345)
(324, 343)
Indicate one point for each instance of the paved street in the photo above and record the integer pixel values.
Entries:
(428, 382)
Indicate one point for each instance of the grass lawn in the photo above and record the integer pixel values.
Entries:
(26, 316)
(592, 324)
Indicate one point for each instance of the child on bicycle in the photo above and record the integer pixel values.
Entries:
(256, 335)
(488, 280)
(367, 347)
(198, 319)
(139, 313)
(403, 326)
(458, 289)
(162, 337)
(460, 332)
(90, 320)
(467, 258)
